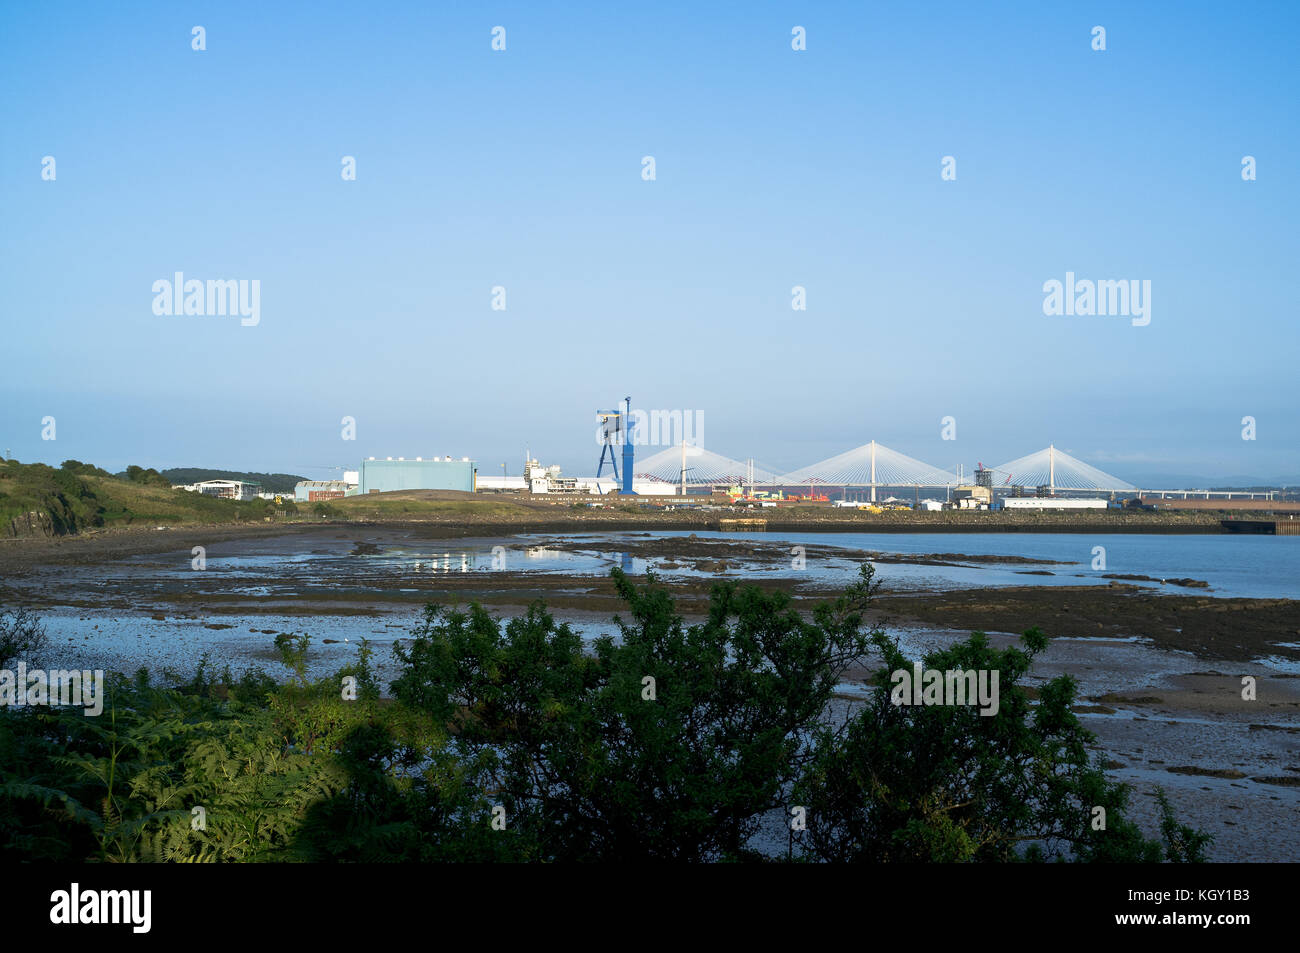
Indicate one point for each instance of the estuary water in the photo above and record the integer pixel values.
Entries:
(1230, 565)
(362, 582)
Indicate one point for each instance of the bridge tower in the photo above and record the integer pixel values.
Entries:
(873, 471)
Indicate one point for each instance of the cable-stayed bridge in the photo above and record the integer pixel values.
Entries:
(701, 467)
(1057, 470)
(873, 465)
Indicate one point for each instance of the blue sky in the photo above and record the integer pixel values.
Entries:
(775, 168)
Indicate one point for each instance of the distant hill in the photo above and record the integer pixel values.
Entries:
(271, 482)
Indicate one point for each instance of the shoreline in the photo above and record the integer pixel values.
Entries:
(139, 539)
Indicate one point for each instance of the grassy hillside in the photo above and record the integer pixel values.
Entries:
(40, 500)
(429, 504)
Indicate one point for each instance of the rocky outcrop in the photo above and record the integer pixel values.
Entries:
(35, 523)
(56, 517)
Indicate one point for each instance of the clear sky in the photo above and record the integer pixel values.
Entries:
(522, 168)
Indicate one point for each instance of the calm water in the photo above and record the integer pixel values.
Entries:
(1238, 566)
(1233, 566)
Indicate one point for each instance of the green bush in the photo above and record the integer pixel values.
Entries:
(83, 469)
(591, 768)
(149, 477)
(948, 783)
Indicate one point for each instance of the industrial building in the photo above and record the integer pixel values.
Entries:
(641, 487)
(542, 479)
(309, 491)
(1053, 503)
(498, 483)
(540, 482)
(972, 497)
(435, 473)
(223, 489)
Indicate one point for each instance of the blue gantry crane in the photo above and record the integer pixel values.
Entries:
(616, 427)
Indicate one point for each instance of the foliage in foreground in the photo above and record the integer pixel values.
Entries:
(516, 741)
(22, 636)
(947, 783)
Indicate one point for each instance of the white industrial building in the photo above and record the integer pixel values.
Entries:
(541, 482)
(224, 489)
(1052, 503)
(500, 482)
(551, 481)
(606, 485)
